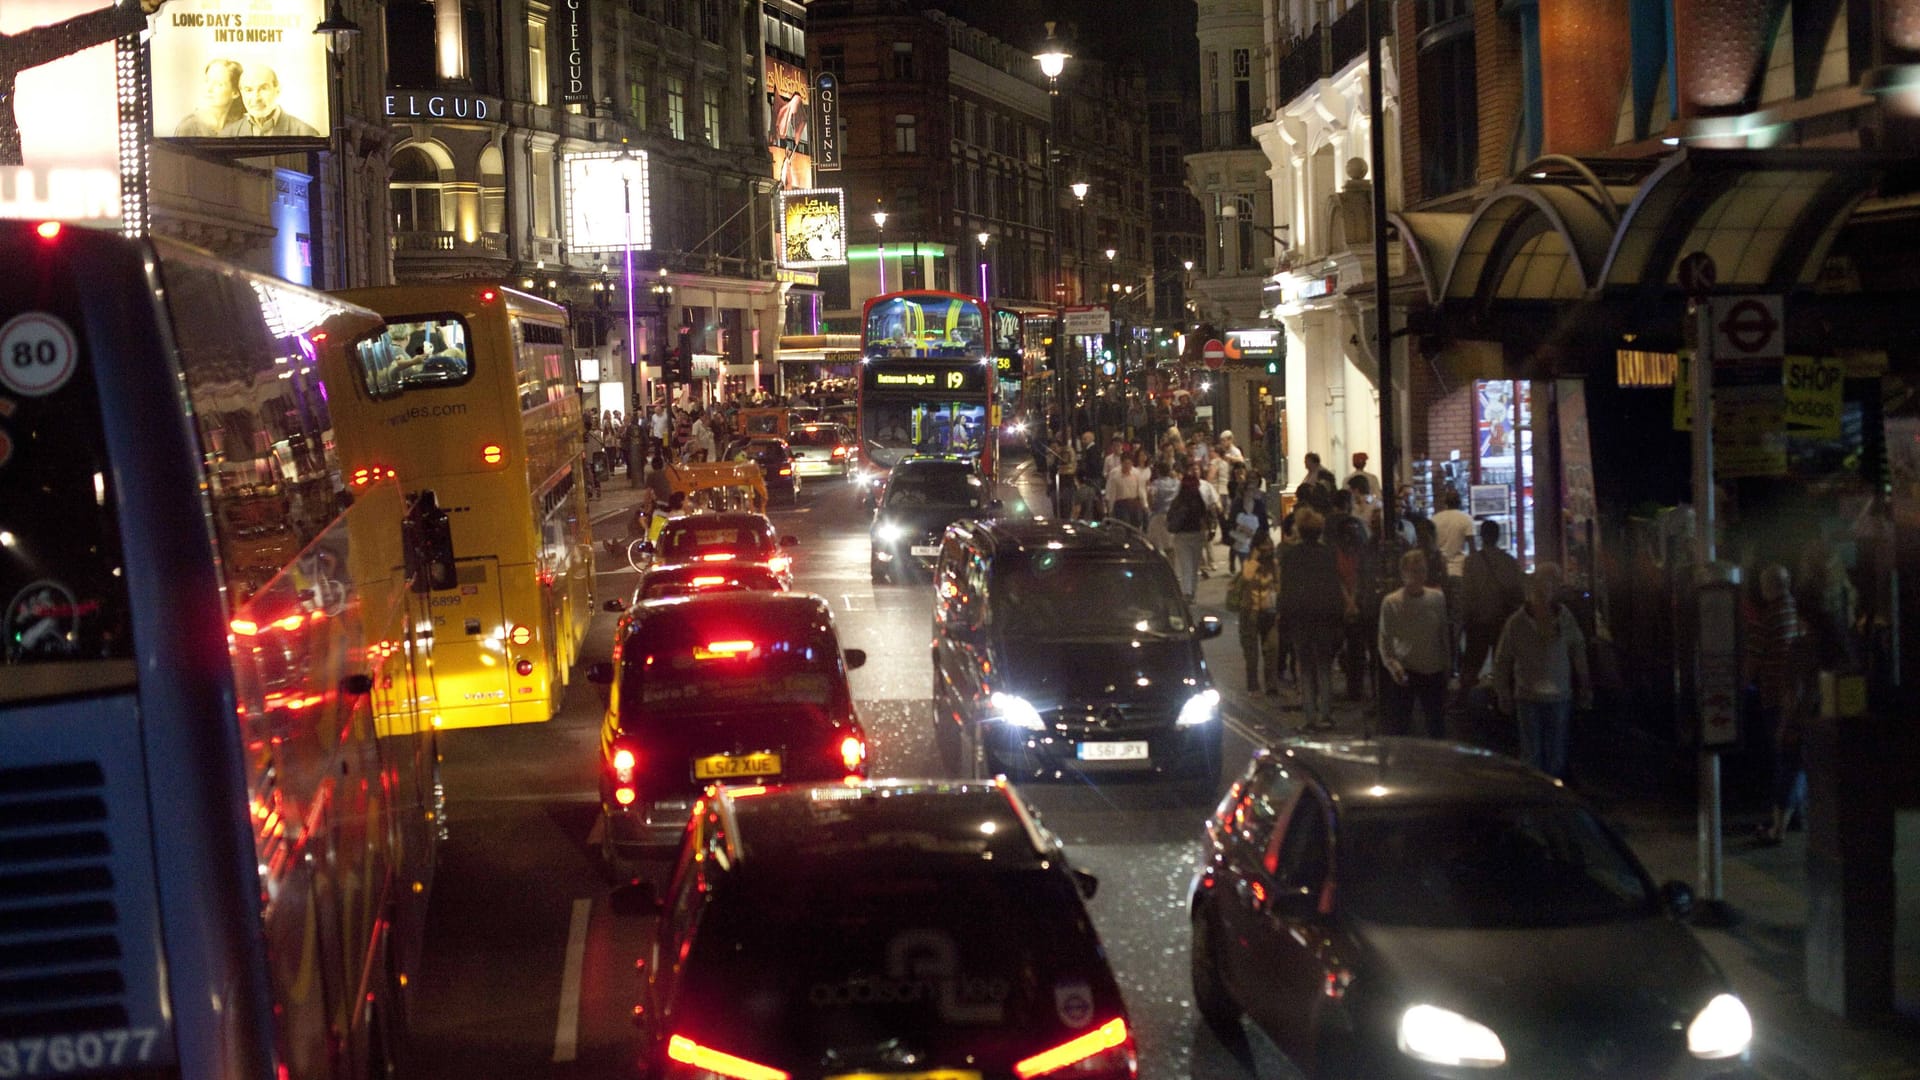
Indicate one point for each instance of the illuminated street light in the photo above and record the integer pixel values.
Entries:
(983, 236)
(1053, 57)
(880, 223)
(1079, 189)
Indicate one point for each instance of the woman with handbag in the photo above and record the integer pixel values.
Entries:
(1252, 596)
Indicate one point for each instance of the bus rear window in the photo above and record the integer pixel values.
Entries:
(65, 626)
(427, 352)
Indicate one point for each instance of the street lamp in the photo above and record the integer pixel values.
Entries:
(880, 223)
(1231, 212)
(983, 236)
(340, 33)
(1053, 57)
(662, 301)
(629, 168)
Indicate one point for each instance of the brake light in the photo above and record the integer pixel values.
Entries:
(487, 295)
(839, 451)
(723, 650)
(705, 580)
(523, 667)
(623, 795)
(47, 229)
(780, 564)
(623, 762)
(725, 556)
(493, 453)
(786, 470)
(520, 635)
(1110, 1039)
(747, 792)
(853, 753)
(244, 627)
(685, 1050)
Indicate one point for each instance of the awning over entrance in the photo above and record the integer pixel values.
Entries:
(1573, 256)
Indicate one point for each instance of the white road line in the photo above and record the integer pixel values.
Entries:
(566, 1030)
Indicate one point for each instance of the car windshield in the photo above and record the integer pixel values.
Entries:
(693, 540)
(692, 670)
(687, 583)
(912, 487)
(1487, 866)
(815, 436)
(1052, 594)
(853, 953)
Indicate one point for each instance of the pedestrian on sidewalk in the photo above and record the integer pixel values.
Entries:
(1415, 648)
(1313, 611)
(1187, 521)
(1540, 672)
(1491, 589)
(1252, 596)
(1779, 668)
(1127, 493)
(1245, 517)
(1355, 557)
(1211, 500)
(1160, 493)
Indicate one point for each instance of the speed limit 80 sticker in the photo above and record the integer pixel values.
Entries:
(38, 354)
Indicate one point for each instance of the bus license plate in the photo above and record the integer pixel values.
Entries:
(1113, 751)
(728, 766)
(925, 549)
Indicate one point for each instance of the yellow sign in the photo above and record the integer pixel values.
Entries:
(1749, 431)
(1683, 392)
(813, 230)
(904, 378)
(1813, 386)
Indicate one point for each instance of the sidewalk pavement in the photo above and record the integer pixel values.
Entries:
(1762, 955)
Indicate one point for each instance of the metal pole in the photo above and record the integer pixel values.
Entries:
(633, 343)
(883, 261)
(1382, 314)
(1700, 376)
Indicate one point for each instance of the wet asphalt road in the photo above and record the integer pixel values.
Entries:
(529, 974)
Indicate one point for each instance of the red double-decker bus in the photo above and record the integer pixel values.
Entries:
(927, 379)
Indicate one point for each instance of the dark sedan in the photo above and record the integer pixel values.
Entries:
(775, 459)
(1412, 908)
(923, 496)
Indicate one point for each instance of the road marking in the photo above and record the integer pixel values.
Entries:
(566, 1031)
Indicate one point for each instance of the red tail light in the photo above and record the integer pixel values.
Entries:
(786, 470)
(1107, 1049)
(839, 451)
(487, 295)
(724, 556)
(853, 753)
(686, 1051)
(48, 230)
(623, 763)
(623, 795)
(723, 650)
(523, 667)
(780, 564)
(493, 453)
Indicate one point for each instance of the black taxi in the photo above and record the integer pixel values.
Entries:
(737, 687)
(733, 536)
(876, 928)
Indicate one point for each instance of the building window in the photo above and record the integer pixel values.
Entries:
(673, 13)
(1246, 232)
(1242, 97)
(493, 191)
(1449, 109)
(710, 20)
(710, 111)
(537, 59)
(415, 192)
(677, 106)
(637, 95)
(967, 113)
(543, 216)
(833, 61)
(904, 140)
(903, 60)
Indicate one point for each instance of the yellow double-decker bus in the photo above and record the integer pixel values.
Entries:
(473, 396)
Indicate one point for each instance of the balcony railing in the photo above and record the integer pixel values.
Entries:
(448, 243)
(1300, 66)
(1307, 60)
(1226, 130)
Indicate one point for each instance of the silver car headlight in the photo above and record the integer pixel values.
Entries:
(888, 532)
(1444, 1037)
(1200, 708)
(1723, 1029)
(1017, 711)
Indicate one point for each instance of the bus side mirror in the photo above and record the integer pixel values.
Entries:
(427, 534)
(856, 658)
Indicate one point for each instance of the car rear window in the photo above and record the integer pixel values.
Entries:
(815, 437)
(843, 953)
(723, 666)
(718, 578)
(689, 540)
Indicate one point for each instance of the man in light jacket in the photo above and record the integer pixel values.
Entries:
(1540, 672)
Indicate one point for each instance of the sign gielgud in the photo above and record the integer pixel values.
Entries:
(240, 69)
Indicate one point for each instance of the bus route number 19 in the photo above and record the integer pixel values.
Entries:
(956, 380)
(37, 354)
(88, 1051)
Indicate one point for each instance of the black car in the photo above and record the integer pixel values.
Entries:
(1414, 908)
(923, 495)
(1064, 646)
(731, 536)
(775, 459)
(719, 688)
(876, 929)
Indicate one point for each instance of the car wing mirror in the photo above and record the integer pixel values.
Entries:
(1085, 882)
(1211, 626)
(789, 541)
(600, 674)
(615, 604)
(856, 658)
(636, 898)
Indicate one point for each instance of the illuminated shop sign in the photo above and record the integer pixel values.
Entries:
(1262, 344)
(813, 227)
(575, 24)
(425, 105)
(223, 70)
(826, 122)
(60, 116)
(957, 379)
(597, 193)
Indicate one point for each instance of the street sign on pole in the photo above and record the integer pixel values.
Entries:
(1697, 273)
(1747, 327)
(1215, 354)
(1085, 319)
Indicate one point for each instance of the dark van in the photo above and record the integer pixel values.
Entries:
(1067, 647)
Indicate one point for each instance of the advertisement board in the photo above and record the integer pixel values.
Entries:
(597, 193)
(240, 69)
(60, 117)
(790, 125)
(813, 227)
(826, 104)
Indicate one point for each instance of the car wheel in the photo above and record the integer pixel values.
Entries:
(1211, 998)
(619, 868)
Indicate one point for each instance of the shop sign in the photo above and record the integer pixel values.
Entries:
(240, 71)
(1316, 288)
(813, 227)
(421, 105)
(575, 24)
(826, 122)
(1813, 387)
(1262, 344)
(597, 209)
